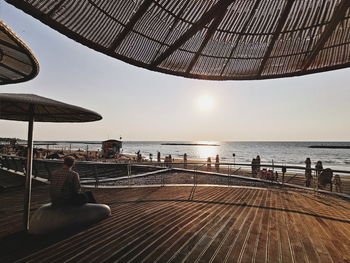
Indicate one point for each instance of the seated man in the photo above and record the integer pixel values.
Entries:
(65, 186)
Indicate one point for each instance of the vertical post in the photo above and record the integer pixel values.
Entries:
(96, 176)
(28, 185)
(129, 173)
(228, 175)
(284, 170)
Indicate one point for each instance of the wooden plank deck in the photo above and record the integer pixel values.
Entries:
(189, 224)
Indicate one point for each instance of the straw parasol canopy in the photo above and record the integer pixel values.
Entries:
(217, 39)
(17, 107)
(29, 107)
(17, 62)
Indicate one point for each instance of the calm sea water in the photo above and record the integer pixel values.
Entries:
(289, 153)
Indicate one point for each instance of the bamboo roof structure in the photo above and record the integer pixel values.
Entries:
(17, 62)
(20, 107)
(216, 39)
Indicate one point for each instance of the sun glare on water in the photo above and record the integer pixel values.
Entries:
(205, 103)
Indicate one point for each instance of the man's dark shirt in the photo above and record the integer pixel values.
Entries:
(64, 184)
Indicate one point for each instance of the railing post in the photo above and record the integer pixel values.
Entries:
(48, 171)
(284, 170)
(96, 176)
(129, 173)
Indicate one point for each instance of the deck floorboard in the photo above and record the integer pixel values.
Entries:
(188, 224)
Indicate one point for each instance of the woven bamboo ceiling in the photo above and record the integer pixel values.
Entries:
(17, 63)
(208, 39)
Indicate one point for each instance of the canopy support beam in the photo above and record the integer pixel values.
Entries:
(130, 25)
(211, 30)
(244, 28)
(208, 16)
(338, 15)
(29, 167)
(173, 25)
(282, 20)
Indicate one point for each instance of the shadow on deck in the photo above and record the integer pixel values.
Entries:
(202, 223)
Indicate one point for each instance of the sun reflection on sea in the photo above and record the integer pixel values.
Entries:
(205, 151)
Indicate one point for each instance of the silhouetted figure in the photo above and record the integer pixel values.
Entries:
(338, 184)
(257, 164)
(65, 186)
(166, 161)
(138, 156)
(209, 163)
(325, 178)
(254, 168)
(185, 160)
(319, 168)
(308, 175)
(170, 161)
(270, 175)
(158, 157)
(150, 157)
(217, 163)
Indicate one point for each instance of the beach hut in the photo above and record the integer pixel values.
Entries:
(17, 62)
(111, 148)
(217, 40)
(30, 108)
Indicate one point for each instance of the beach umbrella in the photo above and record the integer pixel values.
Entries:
(217, 40)
(30, 108)
(17, 62)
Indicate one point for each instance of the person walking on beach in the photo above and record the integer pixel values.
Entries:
(217, 163)
(209, 163)
(257, 159)
(254, 168)
(319, 168)
(65, 186)
(185, 160)
(338, 184)
(308, 175)
(170, 161)
(158, 157)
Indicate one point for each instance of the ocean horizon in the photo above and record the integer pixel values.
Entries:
(280, 152)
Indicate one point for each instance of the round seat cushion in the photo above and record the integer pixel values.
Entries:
(50, 218)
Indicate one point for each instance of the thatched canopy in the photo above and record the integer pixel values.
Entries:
(29, 107)
(18, 107)
(17, 63)
(217, 39)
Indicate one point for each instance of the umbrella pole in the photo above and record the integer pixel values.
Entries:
(28, 186)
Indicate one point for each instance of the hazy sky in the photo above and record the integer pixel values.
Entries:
(139, 104)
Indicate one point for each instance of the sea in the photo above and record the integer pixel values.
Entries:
(280, 153)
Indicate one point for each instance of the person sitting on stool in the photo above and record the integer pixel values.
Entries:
(65, 186)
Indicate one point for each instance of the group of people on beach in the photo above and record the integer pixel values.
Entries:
(324, 176)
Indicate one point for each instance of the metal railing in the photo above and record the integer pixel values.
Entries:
(286, 174)
(98, 173)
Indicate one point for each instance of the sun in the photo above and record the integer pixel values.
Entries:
(205, 103)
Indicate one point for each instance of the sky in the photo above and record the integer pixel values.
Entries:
(141, 105)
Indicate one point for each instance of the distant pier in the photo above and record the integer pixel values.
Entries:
(191, 144)
(330, 147)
